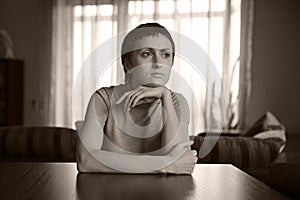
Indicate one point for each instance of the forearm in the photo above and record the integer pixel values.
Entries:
(132, 163)
(173, 133)
(113, 162)
(87, 163)
(91, 160)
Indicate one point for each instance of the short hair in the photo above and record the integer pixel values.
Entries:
(143, 30)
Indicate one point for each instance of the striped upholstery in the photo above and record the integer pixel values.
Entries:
(243, 152)
(37, 144)
(58, 144)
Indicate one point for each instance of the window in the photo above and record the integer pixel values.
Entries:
(213, 24)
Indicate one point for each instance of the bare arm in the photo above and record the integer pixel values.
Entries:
(176, 117)
(91, 159)
(175, 127)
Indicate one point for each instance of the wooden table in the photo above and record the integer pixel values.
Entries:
(61, 181)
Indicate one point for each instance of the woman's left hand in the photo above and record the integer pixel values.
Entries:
(142, 92)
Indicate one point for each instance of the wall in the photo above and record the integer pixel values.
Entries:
(29, 25)
(275, 71)
(276, 62)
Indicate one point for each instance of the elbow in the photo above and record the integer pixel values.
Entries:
(81, 162)
(81, 168)
(81, 157)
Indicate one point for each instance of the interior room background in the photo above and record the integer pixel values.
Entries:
(274, 68)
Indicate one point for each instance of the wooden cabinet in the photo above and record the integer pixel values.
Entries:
(11, 92)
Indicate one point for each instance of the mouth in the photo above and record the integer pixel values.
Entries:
(157, 75)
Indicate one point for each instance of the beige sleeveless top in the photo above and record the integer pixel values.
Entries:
(128, 131)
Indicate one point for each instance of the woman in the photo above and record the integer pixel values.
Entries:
(140, 126)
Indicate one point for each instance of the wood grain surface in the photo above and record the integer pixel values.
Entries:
(62, 181)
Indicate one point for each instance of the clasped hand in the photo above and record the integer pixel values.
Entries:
(143, 94)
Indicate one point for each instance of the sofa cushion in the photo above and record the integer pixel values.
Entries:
(243, 152)
(255, 148)
(20, 143)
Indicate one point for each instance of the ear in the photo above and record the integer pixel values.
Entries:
(127, 64)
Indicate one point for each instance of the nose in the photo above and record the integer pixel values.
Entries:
(156, 65)
(156, 61)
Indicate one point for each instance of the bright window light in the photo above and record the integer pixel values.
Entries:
(203, 21)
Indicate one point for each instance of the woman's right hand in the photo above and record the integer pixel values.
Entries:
(132, 98)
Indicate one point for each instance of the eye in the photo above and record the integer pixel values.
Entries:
(146, 54)
(166, 55)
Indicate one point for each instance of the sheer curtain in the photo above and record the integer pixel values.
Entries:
(215, 25)
(60, 98)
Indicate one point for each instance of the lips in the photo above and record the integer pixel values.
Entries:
(157, 75)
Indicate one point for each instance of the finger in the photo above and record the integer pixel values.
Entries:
(138, 98)
(183, 145)
(126, 108)
(122, 97)
(132, 98)
(186, 143)
(194, 152)
(196, 159)
(148, 93)
(126, 105)
(151, 109)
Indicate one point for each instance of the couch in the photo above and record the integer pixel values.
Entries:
(252, 151)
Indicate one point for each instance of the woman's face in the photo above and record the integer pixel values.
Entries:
(151, 61)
